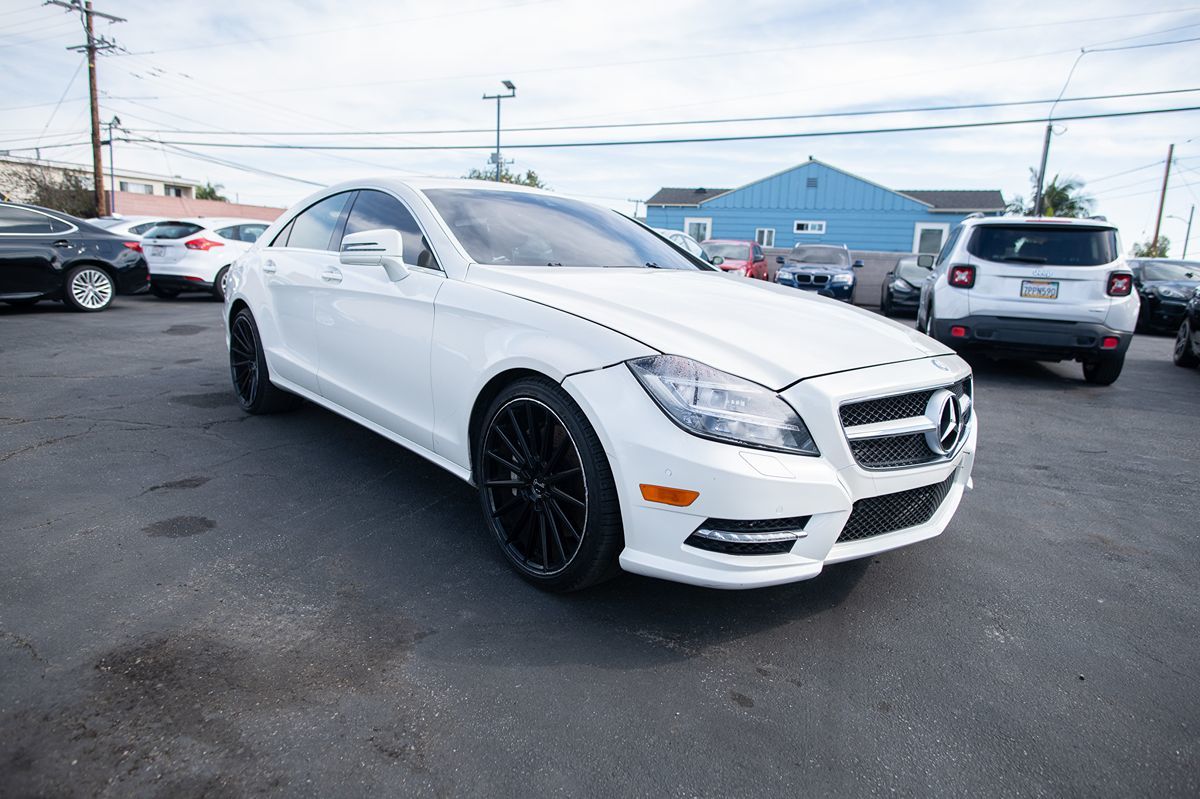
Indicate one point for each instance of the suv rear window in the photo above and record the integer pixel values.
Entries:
(172, 230)
(1045, 244)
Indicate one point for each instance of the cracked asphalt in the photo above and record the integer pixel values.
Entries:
(194, 602)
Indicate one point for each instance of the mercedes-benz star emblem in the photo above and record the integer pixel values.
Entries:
(943, 410)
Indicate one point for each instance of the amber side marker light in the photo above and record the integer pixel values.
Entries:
(679, 497)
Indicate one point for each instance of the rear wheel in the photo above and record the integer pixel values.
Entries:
(1184, 355)
(1105, 371)
(248, 368)
(220, 282)
(546, 487)
(88, 288)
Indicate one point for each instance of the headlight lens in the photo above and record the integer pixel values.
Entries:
(900, 285)
(1167, 291)
(712, 404)
(842, 279)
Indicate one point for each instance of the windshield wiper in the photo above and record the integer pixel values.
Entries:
(653, 265)
(1024, 259)
(554, 263)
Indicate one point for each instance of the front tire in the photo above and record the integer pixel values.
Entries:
(1184, 355)
(248, 368)
(88, 289)
(546, 488)
(1105, 371)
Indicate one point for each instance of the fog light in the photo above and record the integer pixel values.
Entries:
(1110, 343)
(958, 331)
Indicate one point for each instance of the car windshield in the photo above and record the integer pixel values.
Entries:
(173, 230)
(106, 223)
(910, 270)
(820, 255)
(1045, 244)
(509, 228)
(1170, 270)
(728, 251)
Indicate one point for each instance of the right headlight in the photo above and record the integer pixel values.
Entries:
(713, 404)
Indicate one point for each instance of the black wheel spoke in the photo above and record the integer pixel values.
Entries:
(532, 480)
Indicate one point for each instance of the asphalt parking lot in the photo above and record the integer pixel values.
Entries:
(198, 602)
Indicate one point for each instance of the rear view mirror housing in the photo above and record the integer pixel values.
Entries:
(925, 261)
(857, 265)
(779, 259)
(383, 247)
(717, 260)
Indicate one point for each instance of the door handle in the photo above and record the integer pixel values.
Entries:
(269, 267)
(331, 275)
(62, 243)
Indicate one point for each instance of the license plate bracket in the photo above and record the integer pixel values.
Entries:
(1039, 289)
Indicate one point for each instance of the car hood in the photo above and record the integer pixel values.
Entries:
(816, 269)
(1184, 286)
(770, 334)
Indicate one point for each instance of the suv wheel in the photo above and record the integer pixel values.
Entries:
(1184, 355)
(1105, 371)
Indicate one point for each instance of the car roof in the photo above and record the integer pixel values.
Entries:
(820, 246)
(1040, 220)
(747, 242)
(212, 221)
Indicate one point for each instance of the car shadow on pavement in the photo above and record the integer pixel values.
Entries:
(1028, 374)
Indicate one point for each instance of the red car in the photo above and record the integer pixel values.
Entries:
(744, 258)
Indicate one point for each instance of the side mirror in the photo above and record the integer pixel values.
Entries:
(925, 261)
(382, 247)
(857, 265)
(779, 260)
(717, 260)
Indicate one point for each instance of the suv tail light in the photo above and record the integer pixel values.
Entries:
(202, 243)
(1120, 284)
(962, 276)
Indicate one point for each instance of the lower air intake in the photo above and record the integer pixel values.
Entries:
(891, 512)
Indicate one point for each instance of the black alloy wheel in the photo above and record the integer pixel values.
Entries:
(248, 368)
(546, 488)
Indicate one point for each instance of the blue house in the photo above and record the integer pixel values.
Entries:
(815, 203)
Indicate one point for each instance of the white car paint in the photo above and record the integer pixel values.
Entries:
(132, 226)
(409, 358)
(683, 240)
(171, 256)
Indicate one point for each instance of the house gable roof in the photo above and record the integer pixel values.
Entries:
(675, 196)
(948, 200)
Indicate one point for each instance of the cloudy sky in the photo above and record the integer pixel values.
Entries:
(274, 69)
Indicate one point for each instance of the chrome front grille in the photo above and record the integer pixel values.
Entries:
(891, 432)
(891, 512)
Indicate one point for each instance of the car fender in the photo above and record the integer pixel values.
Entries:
(480, 333)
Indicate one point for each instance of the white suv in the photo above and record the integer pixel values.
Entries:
(1044, 289)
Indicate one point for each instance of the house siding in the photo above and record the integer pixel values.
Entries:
(856, 212)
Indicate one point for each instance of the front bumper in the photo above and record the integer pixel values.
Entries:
(1037, 339)
(737, 483)
(837, 291)
(1163, 314)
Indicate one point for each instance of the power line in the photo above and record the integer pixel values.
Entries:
(693, 140)
(679, 122)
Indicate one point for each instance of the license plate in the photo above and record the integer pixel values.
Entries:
(1040, 289)
(157, 252)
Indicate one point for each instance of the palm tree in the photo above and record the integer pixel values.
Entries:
(1061, 197)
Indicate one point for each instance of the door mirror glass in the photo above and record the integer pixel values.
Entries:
(382, 247)
(925, 261)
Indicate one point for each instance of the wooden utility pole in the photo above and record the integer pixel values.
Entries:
(1162, 199)
(94, 44)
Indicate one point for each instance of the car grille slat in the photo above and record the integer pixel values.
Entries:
(891, 512)
(896, 451)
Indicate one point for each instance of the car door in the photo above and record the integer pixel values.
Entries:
(33, 247)
(373, 335)
(290, 266)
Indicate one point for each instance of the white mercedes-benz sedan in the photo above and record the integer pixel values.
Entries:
(617, 402)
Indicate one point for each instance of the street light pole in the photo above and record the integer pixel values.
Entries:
(1188, 234)
(512, 92)
(112, 178)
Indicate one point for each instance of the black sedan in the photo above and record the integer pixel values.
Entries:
(48, 255)
(902, 287)
(1187, 340)
(1165, 286)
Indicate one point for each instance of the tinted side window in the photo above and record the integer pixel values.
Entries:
(251, 233)
(313, 229)
(374, 210)
(948, 247)
(138, 230)
(18, 220)
(230, 232)
(281, 238)
(758, 253)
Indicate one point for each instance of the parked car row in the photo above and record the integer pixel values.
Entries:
(49, 255)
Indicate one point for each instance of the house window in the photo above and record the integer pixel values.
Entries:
(928, 237)
(809, 227)
(765, 236)
(136, 188)
(176, 191)
(699, 228)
